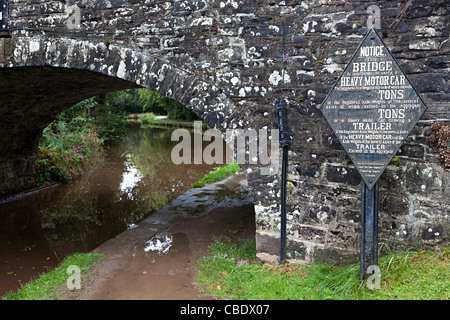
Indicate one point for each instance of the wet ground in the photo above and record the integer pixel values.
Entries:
(155, 259)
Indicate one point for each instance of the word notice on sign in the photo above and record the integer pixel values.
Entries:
(372, 108)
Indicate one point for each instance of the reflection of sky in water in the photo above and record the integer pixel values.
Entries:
(160, 243)
(130, 177)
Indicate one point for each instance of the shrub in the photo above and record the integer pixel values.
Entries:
(67, 144)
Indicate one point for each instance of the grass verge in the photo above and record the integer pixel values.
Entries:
(46, 286)
(217, 175)
(230, 271)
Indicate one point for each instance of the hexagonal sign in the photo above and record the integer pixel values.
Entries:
(372, 107)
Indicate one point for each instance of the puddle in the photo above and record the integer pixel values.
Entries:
(161, 243)
(159, 268)
(159, 246)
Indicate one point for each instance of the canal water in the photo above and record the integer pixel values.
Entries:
(136, 178)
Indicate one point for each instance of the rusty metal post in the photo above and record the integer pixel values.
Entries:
(369, 228)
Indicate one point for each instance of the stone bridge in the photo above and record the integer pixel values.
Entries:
(223, 59)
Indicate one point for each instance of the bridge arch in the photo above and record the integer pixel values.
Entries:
(49, 74)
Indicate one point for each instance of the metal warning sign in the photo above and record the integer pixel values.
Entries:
(372, 108)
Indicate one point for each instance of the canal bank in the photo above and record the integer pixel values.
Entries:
(155, 258)
(136, 178)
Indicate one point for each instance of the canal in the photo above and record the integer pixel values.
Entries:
(133, 180)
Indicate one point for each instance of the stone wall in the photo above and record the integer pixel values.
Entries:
(223, 59)
(324, 188)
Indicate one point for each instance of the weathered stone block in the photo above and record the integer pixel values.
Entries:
(432, 233)
(411, 151)
(393, 204)
(344, 235)
(312, 234)
(341, 174)
(334, 256)
(268, 243)
(422, 179)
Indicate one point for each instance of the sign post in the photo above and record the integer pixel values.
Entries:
(371, 109)
(369, 228)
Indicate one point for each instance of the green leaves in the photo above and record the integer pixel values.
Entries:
(159, 104)
(68, 143)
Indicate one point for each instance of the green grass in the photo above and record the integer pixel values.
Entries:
(229, 271)
(46, 286)
(217, 175)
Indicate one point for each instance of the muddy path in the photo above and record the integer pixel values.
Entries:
(156, 258)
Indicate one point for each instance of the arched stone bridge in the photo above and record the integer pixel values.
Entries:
(223, 59)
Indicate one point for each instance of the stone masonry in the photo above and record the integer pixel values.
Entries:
(223, 59)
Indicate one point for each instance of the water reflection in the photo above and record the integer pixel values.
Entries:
(130, 178)
(136, 178)
(160, 243)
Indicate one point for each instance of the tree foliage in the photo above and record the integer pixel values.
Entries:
(77, 135)
(159, 104)
(67, 143)
(145, 100)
